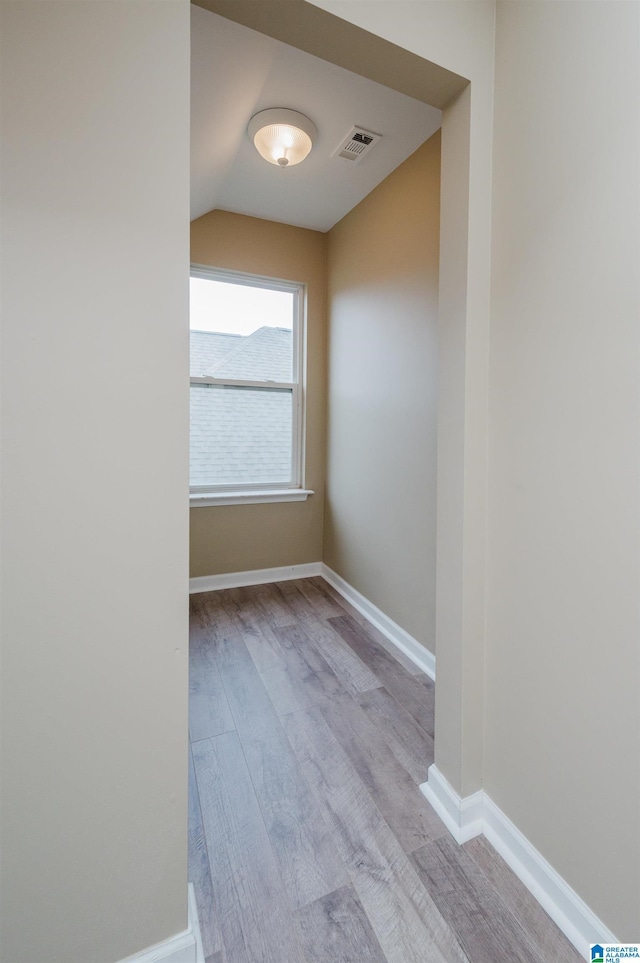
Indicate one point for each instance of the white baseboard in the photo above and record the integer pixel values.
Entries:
(462, 817)
(576, 920)
(259, 576)
(185, 947)
(478, 814)
(419, 655)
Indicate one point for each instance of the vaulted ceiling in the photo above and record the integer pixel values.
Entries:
(236, 72)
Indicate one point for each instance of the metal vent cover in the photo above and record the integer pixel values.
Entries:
(356, 145)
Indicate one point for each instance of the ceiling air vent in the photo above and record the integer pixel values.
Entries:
(356, 145)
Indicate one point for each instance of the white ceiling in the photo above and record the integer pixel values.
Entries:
(237, 72)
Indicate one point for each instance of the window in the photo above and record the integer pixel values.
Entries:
(247, 337)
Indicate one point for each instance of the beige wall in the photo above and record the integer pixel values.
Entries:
(562, 753)
(237, 538)
(380, 513)
(562, 572)
(459, 36)
(95, 185)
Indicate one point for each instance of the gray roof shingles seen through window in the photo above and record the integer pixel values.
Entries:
(208, 349)
(241, 435)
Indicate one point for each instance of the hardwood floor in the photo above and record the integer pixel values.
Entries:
(309, 840)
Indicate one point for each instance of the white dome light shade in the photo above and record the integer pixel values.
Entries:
(283, 137)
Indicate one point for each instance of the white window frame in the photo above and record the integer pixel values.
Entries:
(293, 490)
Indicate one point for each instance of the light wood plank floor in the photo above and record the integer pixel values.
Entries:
(309, 840)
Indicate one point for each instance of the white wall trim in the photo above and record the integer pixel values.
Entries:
(478, 814)
(576, 920)
(260, 576)
(185, 947)
(208, 499)
(462, 817)
(419, 655)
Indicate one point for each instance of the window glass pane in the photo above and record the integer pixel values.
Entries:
(241, 332)
(240, 436)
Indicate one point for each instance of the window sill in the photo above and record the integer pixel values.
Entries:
(206, 499)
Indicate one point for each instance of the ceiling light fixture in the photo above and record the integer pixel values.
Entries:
(283, 137)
